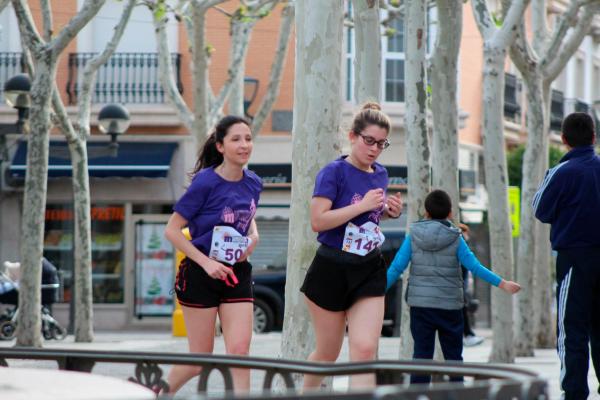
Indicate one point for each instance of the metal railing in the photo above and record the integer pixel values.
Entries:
(489, 381)
(126, 78)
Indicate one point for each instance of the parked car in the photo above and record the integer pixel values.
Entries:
(269, 293)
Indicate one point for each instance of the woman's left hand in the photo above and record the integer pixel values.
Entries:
(394, 205)
(250, 249)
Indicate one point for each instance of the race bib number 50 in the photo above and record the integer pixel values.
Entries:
(227, 244)
(362, 239)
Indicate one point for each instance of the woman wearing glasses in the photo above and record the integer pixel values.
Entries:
(346, 281)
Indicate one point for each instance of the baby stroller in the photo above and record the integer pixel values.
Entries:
(51, 329)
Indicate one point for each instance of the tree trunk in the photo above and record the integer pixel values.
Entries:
(527, 309)
(82, 252)
(496, 182)
(82, 271)
(417, 149)
(367, 43)
(34, 206)
(34, 200)
(545, 333)
(444, 106)
(315, 142)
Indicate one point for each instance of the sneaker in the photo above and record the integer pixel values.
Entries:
(472, 340)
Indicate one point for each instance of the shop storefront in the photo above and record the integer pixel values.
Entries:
(131, 199)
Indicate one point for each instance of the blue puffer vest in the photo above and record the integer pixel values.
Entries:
(435, 276)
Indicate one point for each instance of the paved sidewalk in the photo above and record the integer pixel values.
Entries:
(545, 362)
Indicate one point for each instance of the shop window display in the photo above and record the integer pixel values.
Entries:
(107, 249)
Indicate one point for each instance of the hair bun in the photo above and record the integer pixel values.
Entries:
(371, 105)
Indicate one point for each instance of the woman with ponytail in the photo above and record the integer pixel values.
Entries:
(345, 284)
(215, 277)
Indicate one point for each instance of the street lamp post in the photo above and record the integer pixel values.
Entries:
(250, 91)
(16, 94)
(113, 120)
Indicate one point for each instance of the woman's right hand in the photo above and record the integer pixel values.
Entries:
(373, 200)
(216, 270)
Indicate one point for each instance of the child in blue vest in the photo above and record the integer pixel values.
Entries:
(436, 250)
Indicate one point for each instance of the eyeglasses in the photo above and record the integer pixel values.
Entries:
(370, 141)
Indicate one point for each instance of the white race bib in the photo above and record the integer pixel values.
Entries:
(362, 239)
(227, 244)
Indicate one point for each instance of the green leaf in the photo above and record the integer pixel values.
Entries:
(395, 3)
(209, 49)
(429, 91)
(497, 18)
(160, 11)
(389, 32)
(264, 13)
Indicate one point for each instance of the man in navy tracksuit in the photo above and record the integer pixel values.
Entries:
(569, 200)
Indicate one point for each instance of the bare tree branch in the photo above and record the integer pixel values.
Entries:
(555, 65)
(183, 8)
(521, 53)
(61, 117)
(241, 26)
(91, 67)
(482, 17)
(89, 9)
(240, 47)
(565, 21)
(166, 76)
(511, 20)
(46, 20)
(27, 26)
(224, 12)
(539, 25)
(285, 29)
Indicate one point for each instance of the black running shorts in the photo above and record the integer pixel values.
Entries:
(337, 279)
(195, 288)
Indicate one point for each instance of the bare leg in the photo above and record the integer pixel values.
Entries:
(329, 332)
(236, 322)
(200, 327)
(365, 319)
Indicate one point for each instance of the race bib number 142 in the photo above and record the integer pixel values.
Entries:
(227, 244)
(362, 239)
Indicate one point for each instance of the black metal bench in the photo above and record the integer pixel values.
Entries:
(489, 381)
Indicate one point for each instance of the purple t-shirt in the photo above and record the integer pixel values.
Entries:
(211, 200)
(344, 184)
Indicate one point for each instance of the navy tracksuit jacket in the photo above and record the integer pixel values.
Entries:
(569, 200)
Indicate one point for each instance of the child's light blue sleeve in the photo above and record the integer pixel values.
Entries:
(399, 263)
(470, 262)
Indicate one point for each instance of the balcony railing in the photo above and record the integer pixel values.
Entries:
(11, 64)
(126, 78)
